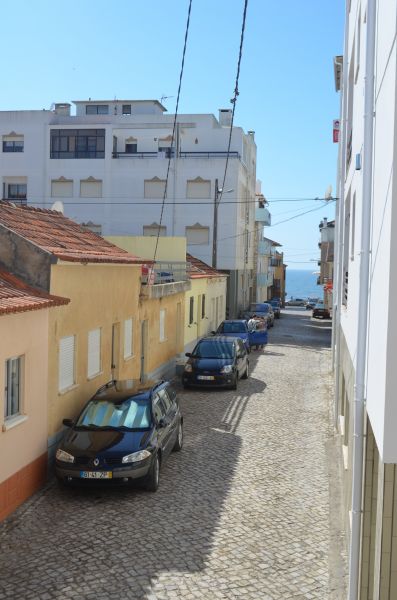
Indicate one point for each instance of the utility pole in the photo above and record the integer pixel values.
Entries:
(215, 225)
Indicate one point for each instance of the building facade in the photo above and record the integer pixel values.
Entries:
(365, 285)
(107, 164)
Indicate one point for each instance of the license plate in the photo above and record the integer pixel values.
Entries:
(96, 474)
(206, 377)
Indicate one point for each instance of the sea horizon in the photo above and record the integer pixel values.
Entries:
(302, 283)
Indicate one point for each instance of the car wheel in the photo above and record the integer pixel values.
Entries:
(179, 439)
(234, 384)
(246, 374)
(153, 478)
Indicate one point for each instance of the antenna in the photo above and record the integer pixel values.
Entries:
(165, 98)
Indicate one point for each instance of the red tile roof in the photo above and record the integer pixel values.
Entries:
(62, 237)
(17, 296)
(196, 268)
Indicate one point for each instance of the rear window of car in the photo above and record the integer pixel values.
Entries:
(232, 328)
(128, 414)
(214, 349)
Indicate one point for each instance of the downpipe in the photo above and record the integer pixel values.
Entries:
(362, 325)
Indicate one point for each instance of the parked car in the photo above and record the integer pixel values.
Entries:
(235, 328)
(320, 311)
(295, 302)
(217, 361)
(262, 309)
(311, 302)
(276, 306)
(124, 433)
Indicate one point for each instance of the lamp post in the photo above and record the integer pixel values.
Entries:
(218, 191)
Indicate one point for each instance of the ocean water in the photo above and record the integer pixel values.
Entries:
(302, 284)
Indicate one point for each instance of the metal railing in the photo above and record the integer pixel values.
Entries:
(164, 272)
(135, 154)
(209, 154)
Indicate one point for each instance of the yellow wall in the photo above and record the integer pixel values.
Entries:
(161, 352)
(169, 248)
(101, 295)
(25, 334)
(214, 289)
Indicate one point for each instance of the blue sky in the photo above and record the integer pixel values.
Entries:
(54, 52)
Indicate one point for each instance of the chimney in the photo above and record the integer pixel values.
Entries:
(251, 133)
(225, 117)
(62, 108)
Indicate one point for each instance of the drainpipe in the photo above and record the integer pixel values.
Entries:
(340, 213)
(362, 329)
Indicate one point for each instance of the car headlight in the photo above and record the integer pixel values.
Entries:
(188, 368)
(136, 456)
(227, 369)
(64, 456)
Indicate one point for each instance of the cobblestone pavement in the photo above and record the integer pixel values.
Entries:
(249, 508)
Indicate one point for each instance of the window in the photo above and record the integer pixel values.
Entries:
(77, 143)
(128, 350)
(97, 109)
(191, 309)
(16, 191)
(153, 230)
(198, 188)
(162, 325)
(66, 362)
(13, 143)
(62, 188)
(90, 188)
(203, 307)
(126, 109)
(197, 235)
(131, 148)
(353, 227)
(94, 352)
(13, 375)
(154, 188)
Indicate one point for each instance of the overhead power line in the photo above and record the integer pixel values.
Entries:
(146, 202)
(173, 127)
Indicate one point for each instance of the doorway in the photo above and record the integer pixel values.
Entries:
(144, 343)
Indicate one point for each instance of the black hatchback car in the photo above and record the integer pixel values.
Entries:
(217, 361)
(124, 433)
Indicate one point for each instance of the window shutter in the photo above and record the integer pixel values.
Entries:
(61, 189)
(162, 325)
(127, 338)
(90, 188)
(94, 352)
(66, 362)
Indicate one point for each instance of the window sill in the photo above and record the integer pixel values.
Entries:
(14, 421)
(91, 377)
(67, 390)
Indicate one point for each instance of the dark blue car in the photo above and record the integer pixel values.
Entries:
(124, 433)
(235, 328)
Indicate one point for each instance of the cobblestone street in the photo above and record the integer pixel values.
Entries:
(250, 508)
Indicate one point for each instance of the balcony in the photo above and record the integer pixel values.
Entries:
(262, 215)
(263, 248)
(164, 279)
(262, 280)
(136, 155)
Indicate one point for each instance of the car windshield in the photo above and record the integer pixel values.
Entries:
(232, 328)
(213, 349)
(127, 414)
(260, 308)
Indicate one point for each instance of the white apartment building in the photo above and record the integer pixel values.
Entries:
(108, 162)
(365, 277)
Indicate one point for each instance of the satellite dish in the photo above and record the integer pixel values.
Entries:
(328, 193)
(58, 206)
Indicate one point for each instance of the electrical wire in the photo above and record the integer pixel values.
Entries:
(234, 100)
(173, 127)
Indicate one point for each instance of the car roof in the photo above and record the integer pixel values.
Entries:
(119, 390)
(234, 321)
(220, 338)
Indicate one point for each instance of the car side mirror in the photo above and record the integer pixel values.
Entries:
(68, 422)
(188, 354)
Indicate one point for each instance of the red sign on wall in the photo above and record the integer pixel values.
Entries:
(336, 129)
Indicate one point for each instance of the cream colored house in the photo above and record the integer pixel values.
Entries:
(24, 319)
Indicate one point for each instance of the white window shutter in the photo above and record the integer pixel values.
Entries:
(127, 338)
(66, 362)
(162, 325)
(94, 352)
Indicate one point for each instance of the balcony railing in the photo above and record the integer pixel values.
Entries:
(135, 154)
(349, 148)
(209, 154)
(164, 272)
(17, 201)
(345, 288)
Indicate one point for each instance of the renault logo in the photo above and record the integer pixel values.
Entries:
(96, 462)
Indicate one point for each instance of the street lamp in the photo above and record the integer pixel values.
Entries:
(218, 192)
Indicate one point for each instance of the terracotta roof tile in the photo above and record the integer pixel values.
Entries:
(62, 237)
(196, 268)
(17, 296)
